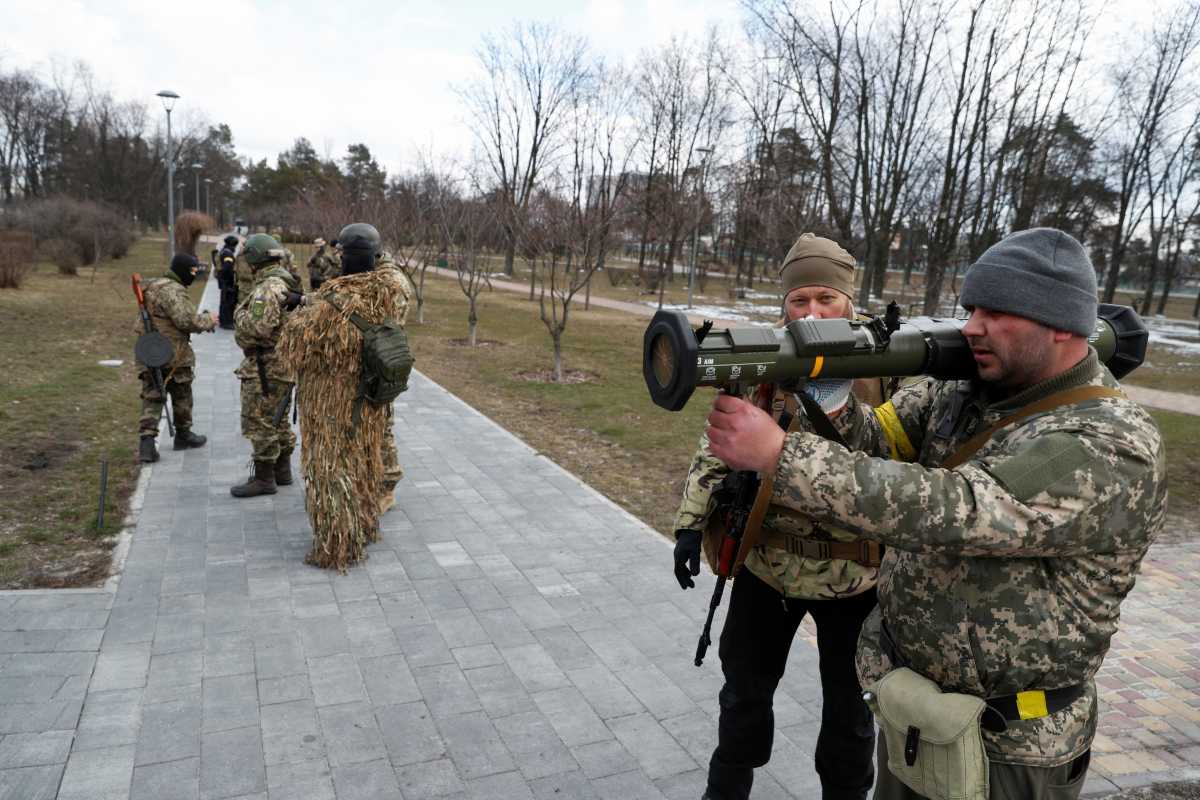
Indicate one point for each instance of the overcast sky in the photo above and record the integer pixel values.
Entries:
(373, 71)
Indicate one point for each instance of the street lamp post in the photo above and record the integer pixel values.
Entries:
(208, 196)
(168, 100)
(196, 168)
(705, 153)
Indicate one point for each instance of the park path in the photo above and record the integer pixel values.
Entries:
(1151, 398)
(514, 635)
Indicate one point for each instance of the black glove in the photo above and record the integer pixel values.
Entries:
(292, 300)
(687, 556)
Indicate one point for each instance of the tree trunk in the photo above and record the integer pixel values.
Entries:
(472, 323)
(558, 368)
(510, 250)
(882, 257)
(1169, 281)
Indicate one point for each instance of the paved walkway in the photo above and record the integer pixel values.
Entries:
(514, 635)
(1151, 398)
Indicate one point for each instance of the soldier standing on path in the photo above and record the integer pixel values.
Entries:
(789, 575)
(227, 280)
(1013, 536)
(323, 265)
(174, 316)
(344, 452)
(266, 382)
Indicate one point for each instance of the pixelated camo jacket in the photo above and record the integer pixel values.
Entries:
(1005, 574)
(174, 316)
(789, 574)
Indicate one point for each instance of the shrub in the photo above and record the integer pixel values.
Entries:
(72, 232)
(64, 254)
(16, 258)
(188, 227)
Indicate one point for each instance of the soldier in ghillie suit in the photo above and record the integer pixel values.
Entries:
(323, 265)
(1011, 545)
(227, 280)
(791, 574)
(266, 380)
(343, 450)
(174, 316)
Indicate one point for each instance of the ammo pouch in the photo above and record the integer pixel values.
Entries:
(933, 737)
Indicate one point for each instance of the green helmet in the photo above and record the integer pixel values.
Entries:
(360, 236)
(261, 248)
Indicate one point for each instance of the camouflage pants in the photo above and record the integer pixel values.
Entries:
(267, 439)
(179, 386)
(392, 471)
(1007, 781)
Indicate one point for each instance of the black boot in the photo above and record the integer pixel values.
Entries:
(185, 439)
(261, 482)
(147, 452)
(283, 468)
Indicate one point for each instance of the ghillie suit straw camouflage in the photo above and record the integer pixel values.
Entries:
(344, 465)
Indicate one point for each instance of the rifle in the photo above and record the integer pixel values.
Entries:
(281, 409)
(153, 349)
(262, 371)
(743, 488)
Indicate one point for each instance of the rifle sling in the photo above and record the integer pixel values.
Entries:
(1064, 398)
(762, 500)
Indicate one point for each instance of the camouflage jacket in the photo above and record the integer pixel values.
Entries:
(259, 319)
(789, 574)
(323, 266)
(174, 316)
(1007, 573)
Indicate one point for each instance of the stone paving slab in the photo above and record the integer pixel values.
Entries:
(514, 635)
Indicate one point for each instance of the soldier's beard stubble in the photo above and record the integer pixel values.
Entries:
(1013, 362)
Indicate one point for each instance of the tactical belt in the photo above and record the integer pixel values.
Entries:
(861, 551)
(1030, 704)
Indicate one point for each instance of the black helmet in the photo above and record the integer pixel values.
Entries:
(359, 236)
(231, 241)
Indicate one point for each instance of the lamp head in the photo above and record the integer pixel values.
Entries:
(168, 99)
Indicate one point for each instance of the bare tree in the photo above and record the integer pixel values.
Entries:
(463, 225)
(892, 102)
(517, 107)
(1148, 93)
(682, 93)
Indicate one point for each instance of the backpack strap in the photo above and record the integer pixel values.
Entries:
(1064, 398)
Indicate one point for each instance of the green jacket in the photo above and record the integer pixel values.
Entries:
(174, 315)
(1007, 573)
(258, 321)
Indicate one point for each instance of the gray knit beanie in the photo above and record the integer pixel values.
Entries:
(1041, 274)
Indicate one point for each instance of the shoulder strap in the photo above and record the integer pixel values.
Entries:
(1064, 398)
(358, 321)
(766, 488)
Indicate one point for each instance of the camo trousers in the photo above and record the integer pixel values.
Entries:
(267, 439)
(392, 471)
(179, 386)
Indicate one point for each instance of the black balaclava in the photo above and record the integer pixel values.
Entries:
(231, 241)
(182, 265)
(356, 261)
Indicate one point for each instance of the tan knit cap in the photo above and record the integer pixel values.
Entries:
(816, 261)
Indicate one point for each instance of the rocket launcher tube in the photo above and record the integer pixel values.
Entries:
(839, 348)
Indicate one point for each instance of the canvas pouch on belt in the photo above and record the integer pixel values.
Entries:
(934, 742)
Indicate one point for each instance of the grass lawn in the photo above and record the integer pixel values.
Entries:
(61, 414)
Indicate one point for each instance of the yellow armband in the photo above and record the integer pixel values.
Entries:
(889, 421)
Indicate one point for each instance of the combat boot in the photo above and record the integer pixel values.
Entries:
(261, 482)
(283, 468)
(147, 452)
(185, 439)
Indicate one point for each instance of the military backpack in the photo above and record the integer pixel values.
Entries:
(387, 362)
